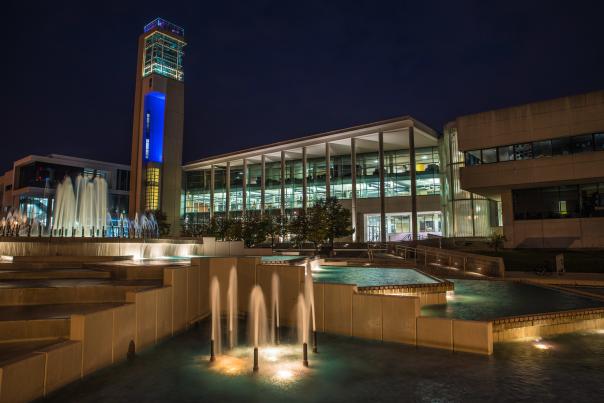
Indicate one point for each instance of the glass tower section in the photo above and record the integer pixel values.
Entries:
(253, 195)
(293, 184)
(315, 180)
(163, 55)
(272, 186)
(236, 191)
(465, 214)
(368, 175)
(341, 177)
(219, 190)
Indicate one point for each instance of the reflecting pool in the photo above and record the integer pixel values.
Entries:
(369, 276)
(485, 300)
(349, 370)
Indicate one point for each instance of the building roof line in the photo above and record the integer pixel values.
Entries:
(59, 158)
(333, 133)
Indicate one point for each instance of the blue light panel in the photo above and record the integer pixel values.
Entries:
(153, 126)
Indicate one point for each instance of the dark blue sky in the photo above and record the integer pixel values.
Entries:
(262, 71)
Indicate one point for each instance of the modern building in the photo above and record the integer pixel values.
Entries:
(157, 134)
(388, 174)
(30, 186)
(544, 162)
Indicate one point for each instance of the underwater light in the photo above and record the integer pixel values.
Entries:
(271, 354)
(284, 374)
(540, 345)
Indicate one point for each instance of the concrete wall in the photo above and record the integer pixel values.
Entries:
(546, 324)
(22, 380)
(533, 173)
(392, 318)
(531, 122)
(62, 364)
(473, 336)
(481, 264)
(337, 308)
(92, 247)
(38, 329)
(63, 295)
(102, 338)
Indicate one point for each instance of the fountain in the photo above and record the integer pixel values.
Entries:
(309, 294)
(84, 207)
(215, 347)
(275, 308)
(232, 307)
(257, 324)
(302, 320)
(80, 210)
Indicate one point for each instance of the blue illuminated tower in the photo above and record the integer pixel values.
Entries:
(157, 133)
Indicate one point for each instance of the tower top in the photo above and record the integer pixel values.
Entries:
(164, 25)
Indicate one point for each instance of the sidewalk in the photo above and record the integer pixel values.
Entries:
(585, 279)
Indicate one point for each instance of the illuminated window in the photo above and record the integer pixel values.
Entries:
(152, 189)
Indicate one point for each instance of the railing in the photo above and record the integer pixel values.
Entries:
(453, 260)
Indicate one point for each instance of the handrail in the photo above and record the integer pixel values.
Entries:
(453, 260)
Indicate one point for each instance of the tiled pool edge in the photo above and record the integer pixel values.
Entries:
(546, 324)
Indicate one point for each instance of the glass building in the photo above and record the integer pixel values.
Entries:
(465, 214)
(388, 174)
(30, 187)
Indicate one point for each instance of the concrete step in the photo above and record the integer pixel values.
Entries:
(42, 292)
(33, 330)
(53, 274)
(15, 349)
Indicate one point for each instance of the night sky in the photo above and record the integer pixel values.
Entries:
(263, 71)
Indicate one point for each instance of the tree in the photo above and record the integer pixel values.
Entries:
(337, 221)
(274, 224)
(253, 231)
(316, 228)
(496, 240)
(298, 229)
(234, 231)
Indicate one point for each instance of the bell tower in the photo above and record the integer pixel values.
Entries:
(157, 130)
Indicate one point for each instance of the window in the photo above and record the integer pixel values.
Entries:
(152, 189)
(523, 151)
(506, 153)
(554, 202)
(473, 157)
(599, 141)
(542, 149)
(581, 144)
(561, 146)
(489, 155)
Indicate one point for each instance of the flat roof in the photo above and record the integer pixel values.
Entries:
(427, 137)
(543, 104)
(69, 160)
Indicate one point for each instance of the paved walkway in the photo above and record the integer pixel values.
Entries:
(586, 279)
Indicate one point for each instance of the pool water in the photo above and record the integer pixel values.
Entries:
(486, 300)
(350, 370)
(369, 276)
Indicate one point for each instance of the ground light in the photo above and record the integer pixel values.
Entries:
(540, 345)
